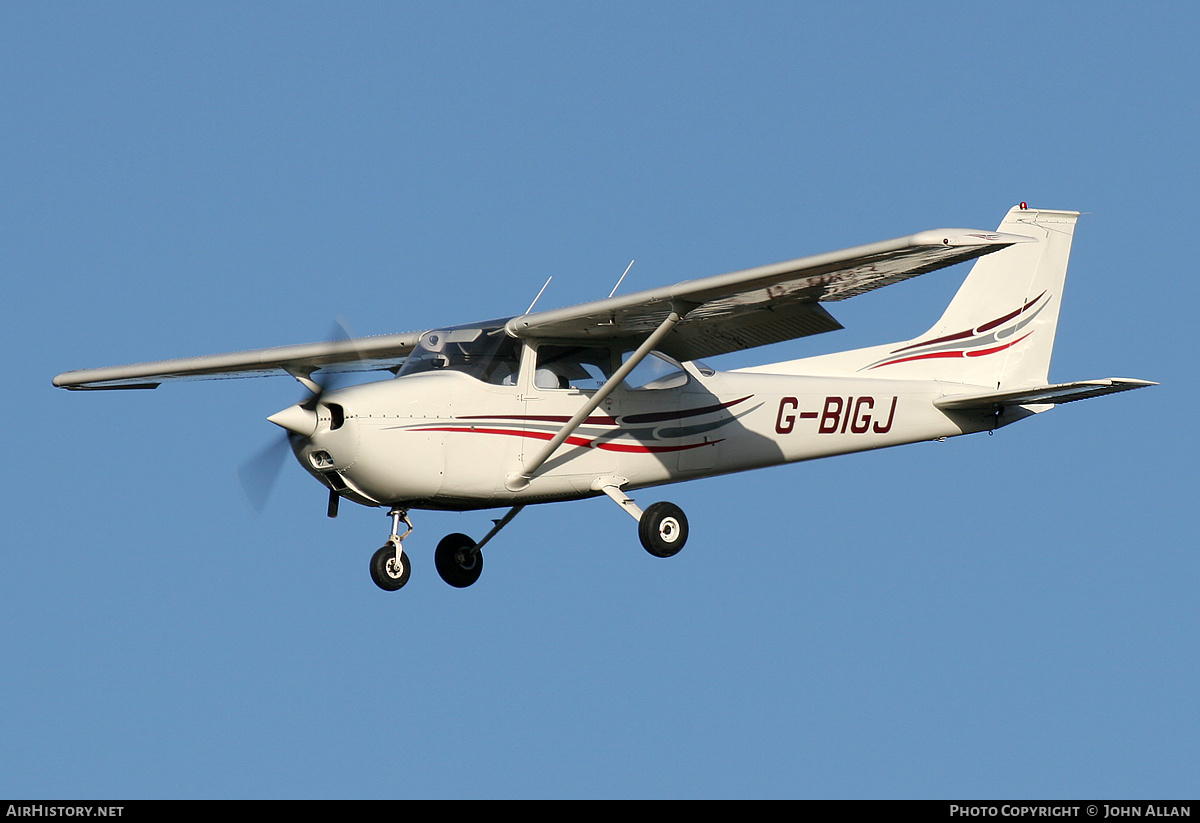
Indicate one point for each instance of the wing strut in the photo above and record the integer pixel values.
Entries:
(518, 480)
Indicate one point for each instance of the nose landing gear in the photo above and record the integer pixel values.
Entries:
(389, 566)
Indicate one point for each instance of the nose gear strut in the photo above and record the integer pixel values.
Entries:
(389, 566)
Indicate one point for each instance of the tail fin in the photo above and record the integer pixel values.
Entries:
(998, 331)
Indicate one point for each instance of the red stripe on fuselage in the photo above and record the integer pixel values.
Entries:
(573, 441)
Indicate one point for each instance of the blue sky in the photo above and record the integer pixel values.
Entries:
(1007, 616)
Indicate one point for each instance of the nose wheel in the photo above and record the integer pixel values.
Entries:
(390, 568)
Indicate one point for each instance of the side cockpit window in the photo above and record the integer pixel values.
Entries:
(584, 368)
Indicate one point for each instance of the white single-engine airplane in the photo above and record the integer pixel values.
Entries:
(609, 397)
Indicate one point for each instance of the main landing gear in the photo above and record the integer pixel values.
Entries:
(663, 529)
(458, 561)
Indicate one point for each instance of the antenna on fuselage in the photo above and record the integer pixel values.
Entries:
(627, 268)
(539, 294)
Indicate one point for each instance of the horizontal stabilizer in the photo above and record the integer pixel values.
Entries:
(1057, 393)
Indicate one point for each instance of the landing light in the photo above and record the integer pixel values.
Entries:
(321, 460)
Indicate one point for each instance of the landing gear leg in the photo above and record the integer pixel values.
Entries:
(662, 528)
(459, 559)
(389, 565)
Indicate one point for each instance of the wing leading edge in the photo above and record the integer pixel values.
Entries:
(767, 304)
(385, 351)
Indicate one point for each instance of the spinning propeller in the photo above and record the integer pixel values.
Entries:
(260, 473)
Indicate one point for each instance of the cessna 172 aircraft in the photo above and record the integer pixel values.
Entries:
(611, 396)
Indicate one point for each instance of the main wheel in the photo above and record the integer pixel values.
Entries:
(663, 529)
(456, 562)
(384, 571)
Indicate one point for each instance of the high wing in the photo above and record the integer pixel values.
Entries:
(719, 314)
(385, 351)
(767, 304)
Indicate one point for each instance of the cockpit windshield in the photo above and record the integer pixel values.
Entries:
(483, 351)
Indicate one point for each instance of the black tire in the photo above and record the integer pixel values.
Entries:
(456, 564)
(663, 529)
(383, 570)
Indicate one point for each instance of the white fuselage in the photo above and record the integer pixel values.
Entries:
(446, 440)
